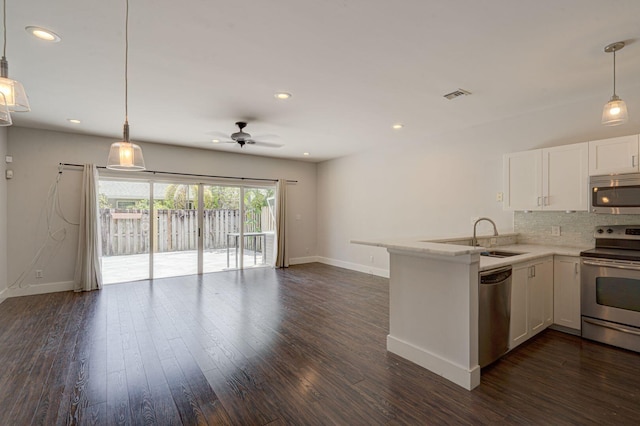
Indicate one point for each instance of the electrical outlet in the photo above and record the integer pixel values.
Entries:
(38, 273)
(371, 259)
(499, 196)
(555, 231)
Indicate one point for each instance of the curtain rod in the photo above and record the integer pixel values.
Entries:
(188, 174)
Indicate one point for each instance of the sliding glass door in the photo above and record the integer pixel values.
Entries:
(124, 222)
(221, 227)
(176, 225)
(259, 227)
(167, 229)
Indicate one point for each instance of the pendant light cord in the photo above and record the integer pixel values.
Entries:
(614, 72)
(126, 65)
(4, 28)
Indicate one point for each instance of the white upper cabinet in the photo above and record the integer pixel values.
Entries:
(523, 180)
(613, 156)
(565, 177)
(547, 179)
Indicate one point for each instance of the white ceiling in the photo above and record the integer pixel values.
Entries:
(354, 67)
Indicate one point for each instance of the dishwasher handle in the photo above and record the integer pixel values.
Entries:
(495, 276)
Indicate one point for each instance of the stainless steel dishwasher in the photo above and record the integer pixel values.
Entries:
(494, 311)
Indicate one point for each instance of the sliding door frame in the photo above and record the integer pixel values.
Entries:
(242, 184)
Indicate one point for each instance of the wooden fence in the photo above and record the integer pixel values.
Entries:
(126, 232)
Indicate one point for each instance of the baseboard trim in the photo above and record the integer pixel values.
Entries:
(354, 266)
(301, 260)
(459, 375)
(34, 289)
(564, 329)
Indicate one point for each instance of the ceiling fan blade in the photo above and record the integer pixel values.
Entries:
(265, 137)
(266, 144)
(218, 135)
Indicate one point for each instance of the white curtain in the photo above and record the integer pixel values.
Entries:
(88, 274)
(282, 257)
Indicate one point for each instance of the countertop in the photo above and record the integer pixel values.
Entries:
(443, 247)
(529, 252)
(421, 246)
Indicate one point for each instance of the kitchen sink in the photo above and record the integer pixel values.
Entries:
(498, 253)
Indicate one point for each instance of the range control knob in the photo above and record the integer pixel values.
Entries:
(600, 230)
(609, 231)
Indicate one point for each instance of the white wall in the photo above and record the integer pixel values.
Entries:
(432, 186)
(36, 156)
(3, 216)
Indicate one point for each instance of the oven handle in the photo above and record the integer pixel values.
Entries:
(612, 265)
(612, 327)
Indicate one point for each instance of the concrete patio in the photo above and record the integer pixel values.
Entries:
(118, 269)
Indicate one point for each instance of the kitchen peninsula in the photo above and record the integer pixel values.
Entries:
(433, 307)
(433, 299)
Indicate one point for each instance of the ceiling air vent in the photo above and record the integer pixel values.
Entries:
(455, 94)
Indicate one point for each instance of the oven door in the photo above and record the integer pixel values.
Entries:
(611, 301)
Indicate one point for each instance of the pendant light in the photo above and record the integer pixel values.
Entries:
(14, 95)
(615, 111)
(5, 116)
(125, 155)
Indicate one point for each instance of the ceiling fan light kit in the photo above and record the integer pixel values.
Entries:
(124, 155)
(243, 138)
(615, 111)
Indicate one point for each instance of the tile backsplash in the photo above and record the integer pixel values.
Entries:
(576, 229)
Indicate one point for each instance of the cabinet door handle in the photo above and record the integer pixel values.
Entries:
(633, 160)
(539, 201)
(533, 271)
(575, 269)
(545, 201)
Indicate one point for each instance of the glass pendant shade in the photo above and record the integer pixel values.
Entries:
(125, 156)
(15, 95)
(5, 116)
(615, 112)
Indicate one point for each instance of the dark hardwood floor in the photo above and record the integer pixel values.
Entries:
(305, 345)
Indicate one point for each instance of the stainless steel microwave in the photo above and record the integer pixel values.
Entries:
(615, 194)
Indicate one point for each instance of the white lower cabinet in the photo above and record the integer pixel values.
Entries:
(566, 289)
(531, 299)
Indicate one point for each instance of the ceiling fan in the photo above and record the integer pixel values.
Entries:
(243, 138)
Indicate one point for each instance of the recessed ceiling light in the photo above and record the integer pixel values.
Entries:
(398, 126)
(215, 140)
(73, 120)
(43, 34)
(306, 154)
(282, 95)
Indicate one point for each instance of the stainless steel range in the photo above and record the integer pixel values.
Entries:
(610, 282)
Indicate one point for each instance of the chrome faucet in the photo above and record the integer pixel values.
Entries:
(474, 240)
